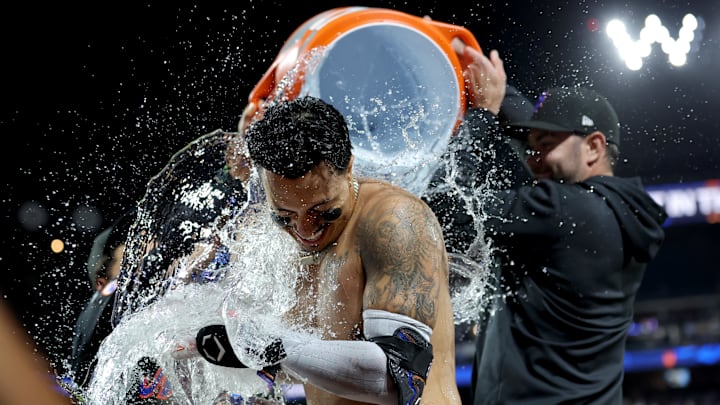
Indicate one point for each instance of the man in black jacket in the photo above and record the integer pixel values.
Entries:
(571, 242)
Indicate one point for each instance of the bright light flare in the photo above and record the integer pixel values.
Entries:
(57, 246)
(633, 52)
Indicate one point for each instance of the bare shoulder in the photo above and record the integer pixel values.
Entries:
(387, 207)
(381, 199)
(402, 250)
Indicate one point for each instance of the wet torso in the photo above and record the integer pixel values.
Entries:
(331, 300)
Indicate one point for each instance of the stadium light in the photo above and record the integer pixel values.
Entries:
(634, 51)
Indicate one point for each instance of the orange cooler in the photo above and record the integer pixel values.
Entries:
(394, 76)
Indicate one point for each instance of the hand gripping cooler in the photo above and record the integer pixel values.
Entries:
(395, 77)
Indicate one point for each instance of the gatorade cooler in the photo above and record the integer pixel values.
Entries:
(395, 77)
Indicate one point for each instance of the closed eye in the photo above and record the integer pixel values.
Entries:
(331, 214)
(328, 216)
(279, 219)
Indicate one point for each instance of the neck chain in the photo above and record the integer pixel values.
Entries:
(310, 258)
(355, 187)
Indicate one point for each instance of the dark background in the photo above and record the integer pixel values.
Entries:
(97, 97)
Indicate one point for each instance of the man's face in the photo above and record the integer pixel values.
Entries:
(559, 156)
(237, 159)
(314, 208)
(112, 267)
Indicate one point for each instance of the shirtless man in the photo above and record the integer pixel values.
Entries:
(378, 271)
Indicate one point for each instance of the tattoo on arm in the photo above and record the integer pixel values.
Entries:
(402, 251)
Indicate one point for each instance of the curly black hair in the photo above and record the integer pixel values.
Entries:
(294, 136)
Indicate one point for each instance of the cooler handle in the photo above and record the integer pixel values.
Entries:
(454, 31)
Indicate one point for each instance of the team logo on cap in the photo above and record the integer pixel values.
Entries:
(587, 121)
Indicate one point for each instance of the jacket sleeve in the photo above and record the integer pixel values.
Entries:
(533, 210)
(480, 159)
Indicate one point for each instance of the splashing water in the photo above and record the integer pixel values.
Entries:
(161, 299)
(398, 125)
(257, 289)
(407, 159)
(187, 202)
(188, 213)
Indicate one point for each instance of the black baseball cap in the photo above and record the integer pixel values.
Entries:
(579, 110)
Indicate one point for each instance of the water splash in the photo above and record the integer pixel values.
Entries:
(160, 301)
(152, 333)
(257, 289)
(188, 202)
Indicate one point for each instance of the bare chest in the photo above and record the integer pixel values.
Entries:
(330, 291)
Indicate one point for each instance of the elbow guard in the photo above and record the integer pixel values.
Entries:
(409, 357)
(213, 344)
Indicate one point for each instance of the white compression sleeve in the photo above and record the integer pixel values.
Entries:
(377, 322)
(351, 369)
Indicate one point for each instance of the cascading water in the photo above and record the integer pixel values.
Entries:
(202, 252)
